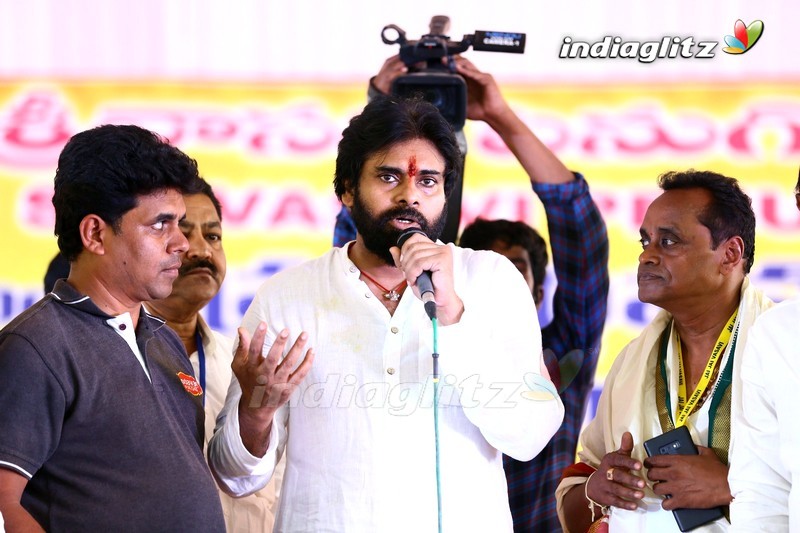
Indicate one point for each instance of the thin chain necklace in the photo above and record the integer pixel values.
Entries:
(391, 295)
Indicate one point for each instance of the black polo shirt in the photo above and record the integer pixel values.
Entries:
(104, 447)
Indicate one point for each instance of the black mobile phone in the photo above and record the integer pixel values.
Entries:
(679, 442)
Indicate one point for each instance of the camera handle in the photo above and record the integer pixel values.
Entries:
(401, 35)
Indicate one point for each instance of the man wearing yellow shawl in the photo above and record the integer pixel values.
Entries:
(698, 244)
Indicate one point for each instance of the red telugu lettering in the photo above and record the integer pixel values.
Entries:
(35, 131)
(771, 213)
(233, 215)
(216, 129)
(294, 206)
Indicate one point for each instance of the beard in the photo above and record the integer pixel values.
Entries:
(379, 234)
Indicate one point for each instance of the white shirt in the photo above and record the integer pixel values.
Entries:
(628, 403)
(254, 513)
(765, 446)
(359, 430)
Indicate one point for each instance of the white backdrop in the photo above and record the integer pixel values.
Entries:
(302, 40)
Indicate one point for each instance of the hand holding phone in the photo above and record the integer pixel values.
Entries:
(679, 442)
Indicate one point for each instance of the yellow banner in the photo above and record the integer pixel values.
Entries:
(269, 152)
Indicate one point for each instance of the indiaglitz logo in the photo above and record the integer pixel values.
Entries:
(644, 51)
(668, 47)
(744, 37)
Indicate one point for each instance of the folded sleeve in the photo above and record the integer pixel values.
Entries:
(497, 350)
(236, 470)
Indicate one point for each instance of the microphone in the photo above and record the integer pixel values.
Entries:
(423, 283)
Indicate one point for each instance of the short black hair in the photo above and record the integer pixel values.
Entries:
(56, 270)
(205, 188)
(389, 120)
(104, 171)
(730, 213)
(482, 233)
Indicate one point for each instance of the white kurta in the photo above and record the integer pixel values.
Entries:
(359, 430)
(628, 403)
(764, 449)
(256, 512)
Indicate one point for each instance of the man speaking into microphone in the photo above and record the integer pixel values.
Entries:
(334, 363)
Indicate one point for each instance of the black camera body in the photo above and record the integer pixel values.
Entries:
(432, 73)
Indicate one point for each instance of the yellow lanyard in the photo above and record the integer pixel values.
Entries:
(686, 407)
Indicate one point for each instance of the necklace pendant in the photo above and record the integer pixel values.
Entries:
(392, 295)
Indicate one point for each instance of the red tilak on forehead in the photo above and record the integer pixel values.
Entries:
(412, 166)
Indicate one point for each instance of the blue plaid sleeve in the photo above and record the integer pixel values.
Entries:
(345, 230)
(579, 244)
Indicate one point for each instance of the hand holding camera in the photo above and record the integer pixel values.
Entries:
(433, 70)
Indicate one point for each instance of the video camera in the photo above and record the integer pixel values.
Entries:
(432, 70)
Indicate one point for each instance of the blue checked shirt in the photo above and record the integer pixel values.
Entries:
(345, 229)
(579, 244)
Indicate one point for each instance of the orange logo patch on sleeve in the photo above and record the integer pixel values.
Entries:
(190, 384)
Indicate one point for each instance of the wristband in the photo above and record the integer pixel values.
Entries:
(592, 503)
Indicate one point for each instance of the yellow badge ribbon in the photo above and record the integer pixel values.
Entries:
(685, 407)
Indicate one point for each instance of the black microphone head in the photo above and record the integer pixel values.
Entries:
(403, 237)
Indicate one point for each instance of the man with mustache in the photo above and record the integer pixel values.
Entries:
(350, 401)
(200, 278)
(698, 245)
(101, 417)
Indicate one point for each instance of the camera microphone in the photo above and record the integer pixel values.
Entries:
(423, 283)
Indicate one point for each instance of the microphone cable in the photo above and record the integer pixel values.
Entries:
(425, 286)
(435, 356)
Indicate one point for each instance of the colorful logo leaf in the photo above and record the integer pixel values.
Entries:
(744, 37)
